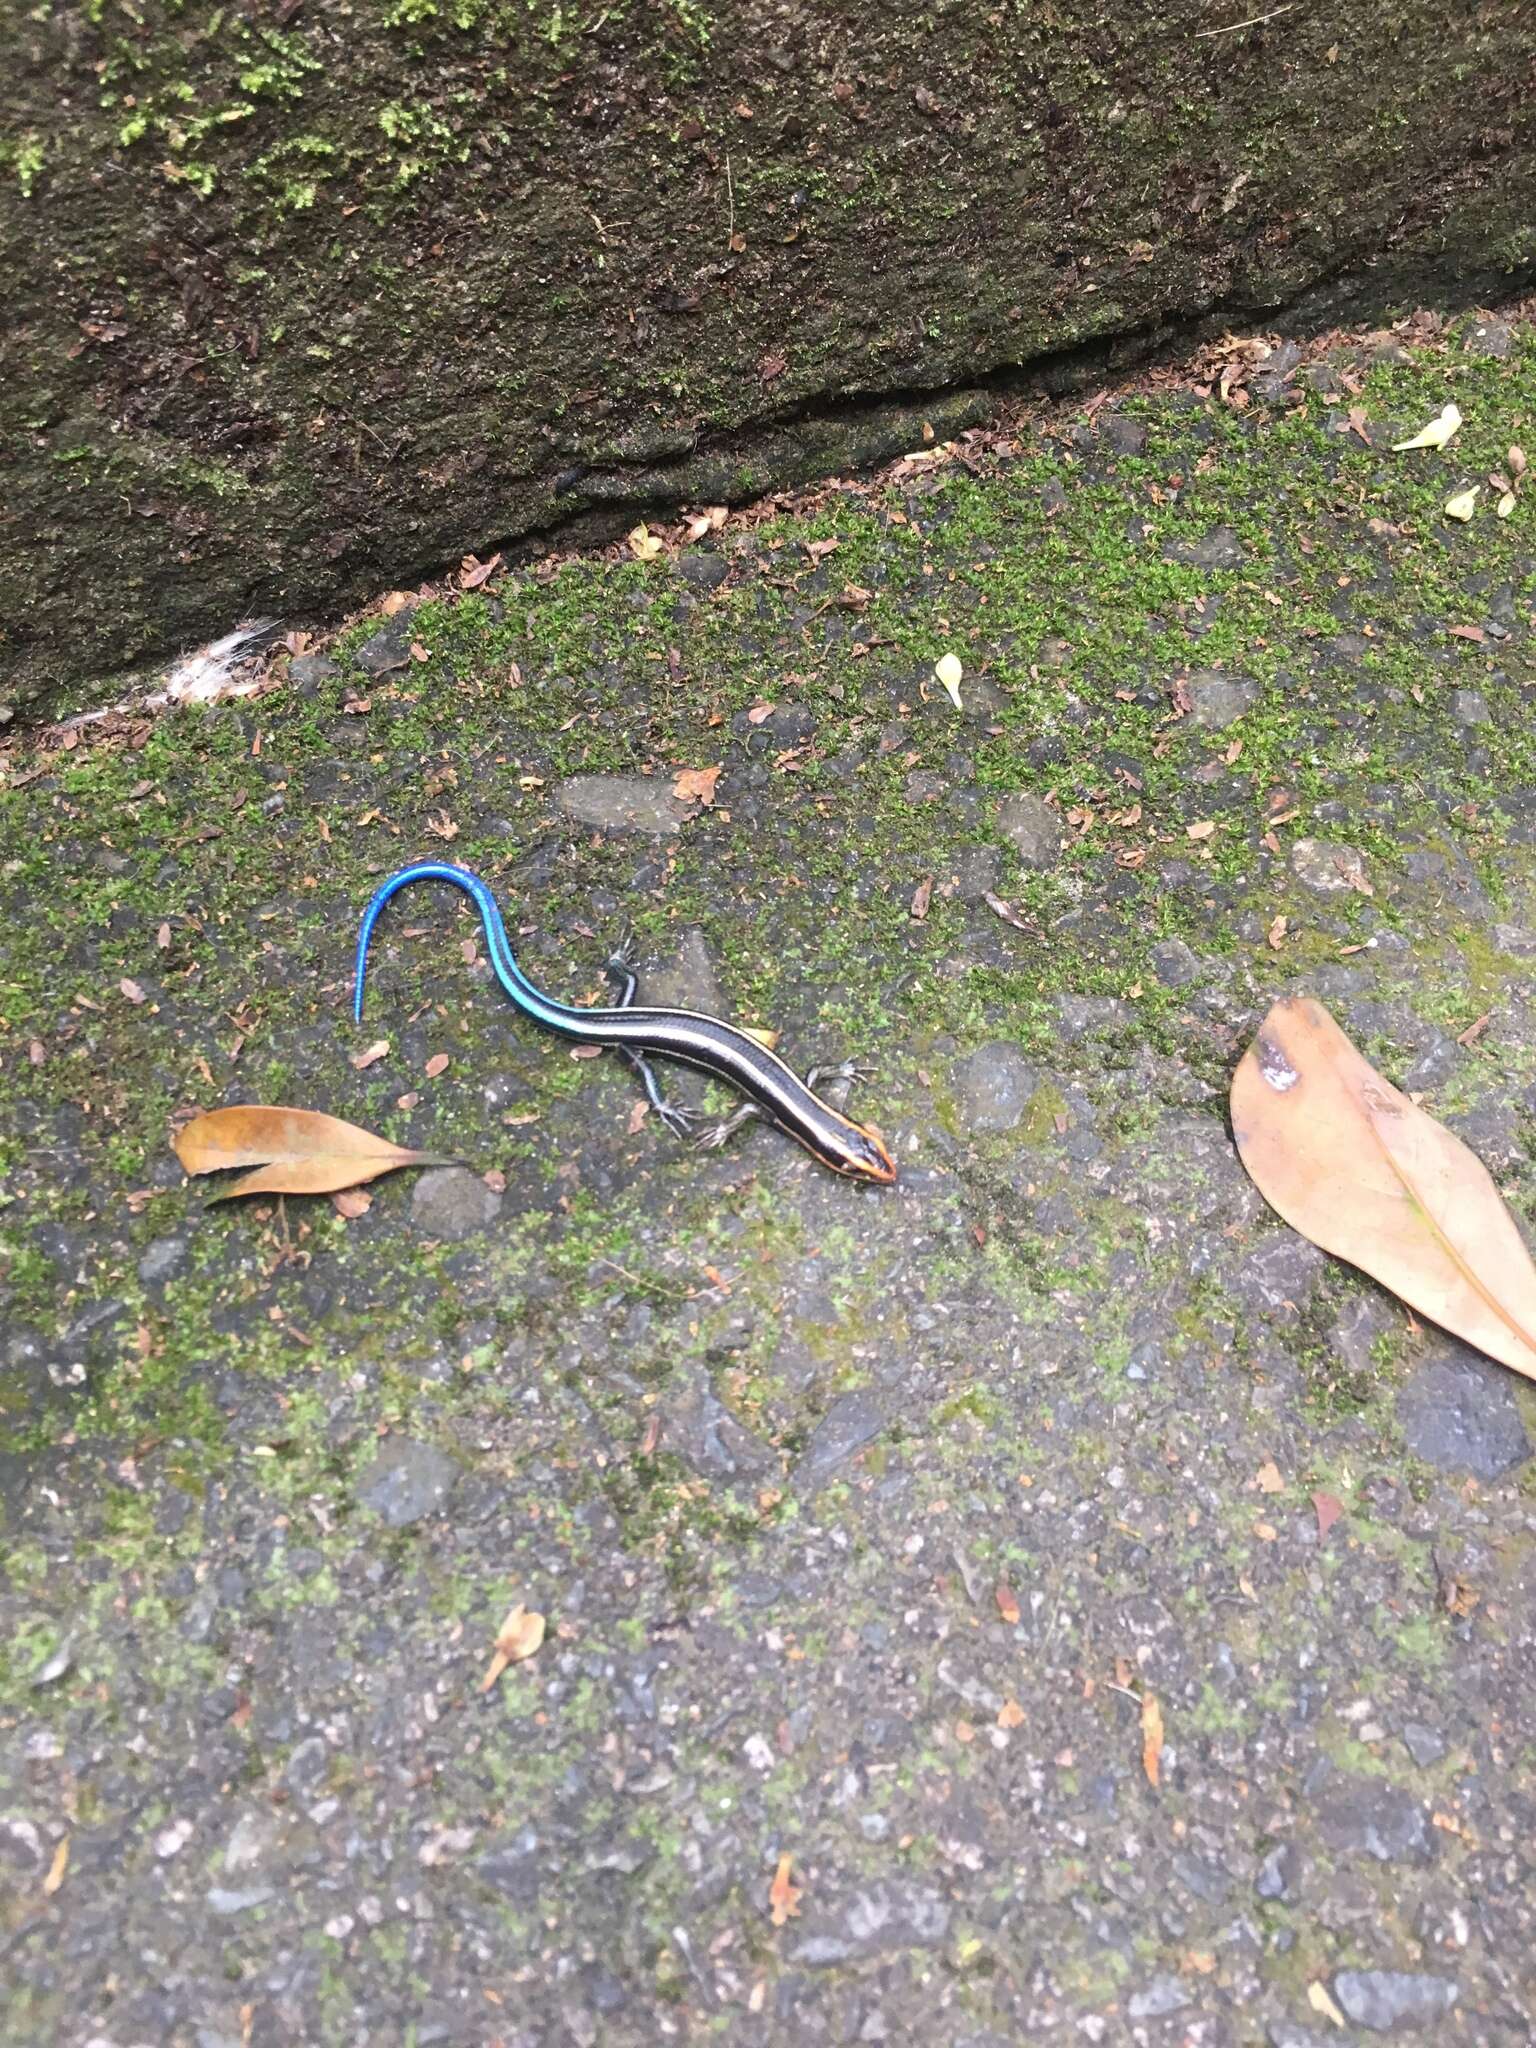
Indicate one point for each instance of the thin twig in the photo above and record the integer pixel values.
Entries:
(1233, 27)
(730, 190)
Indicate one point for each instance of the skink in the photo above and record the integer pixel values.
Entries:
(773, 1090)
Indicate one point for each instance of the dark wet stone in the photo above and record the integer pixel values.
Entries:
(1162, 1995)
(1031, 828)
(1279, 1274)
(1122, 436)
(993, 1086)
(1218, 549)
(1434, 1066)
(1375, 1818)
(1217, 700)
(1089, 1016)
(706, 1435)
(703, 570)
(389, 648)
(1392, 2000)
(1488, 338)
(623, 803)
(406, 1481)
(1327, 865)
(1277, 1874)
(686, 981)
(450, 1202)
(307, 672)
(227, 1901)
(513, 1865)
(1424, 1744)
(1174, 964)
(1459, 1412)
(974, 872)
(884, 1920)
(162, 1260)
(852, 1421)
(1470, 707)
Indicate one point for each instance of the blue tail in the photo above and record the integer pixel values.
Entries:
(498, 946)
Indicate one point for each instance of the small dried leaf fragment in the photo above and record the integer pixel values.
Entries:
(697, 785)
(1463, 505)
(1267, 1479)
(783, 1896)
(922, 896)
(363, 1060)
(518, 1638)
(57, 1868)
(1007, 1602)
(644, 545)
(295, 1151)
(948, 672)
(1328, 1508)
(438, 1064)
(1320, 2002)
(1151, 1738)
(131, 990)
(1010, 1714)
(1363, 1172)
(1435, 435)
(352, 1203)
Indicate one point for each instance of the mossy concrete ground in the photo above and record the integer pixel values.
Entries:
(866, 1522)
(306, 299)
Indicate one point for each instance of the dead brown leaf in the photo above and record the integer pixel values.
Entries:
(1151, 1738)
(517, 1639)
(1328, 1510)
(784, 1897)
(472, 573)
(352, 1202)
(1277, 931)
(438, 1064)
(1267, 1479)
(1363, 1172)
(295, 1151)
(922, 896)
(1010, 1714)
(131, 990)
(1007, 1602)
(1007, 912)
(363, 1060)
(697, 785)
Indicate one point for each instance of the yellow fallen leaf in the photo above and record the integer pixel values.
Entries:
(1435, 435)
(1318, 1999)
(1463, 505)
(763, 1033)
(1365, 1173)
(784, 1897)
(948, 672)
(1151, 1739)
(644, 545)
(296, 1151)
(1506, 505)
(519, 1636)
(57, 1868)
